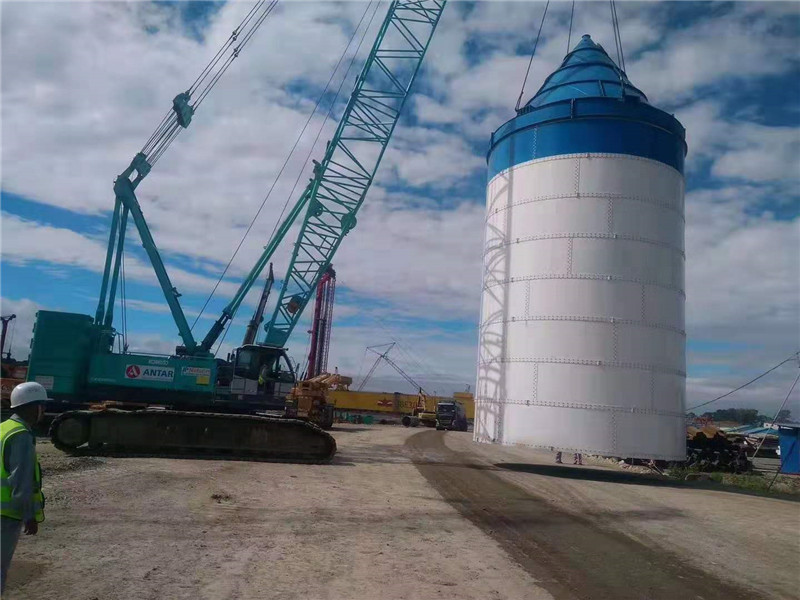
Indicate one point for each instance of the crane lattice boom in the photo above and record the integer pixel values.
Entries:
(342, 179)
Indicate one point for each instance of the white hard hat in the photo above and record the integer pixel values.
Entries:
(29, 392)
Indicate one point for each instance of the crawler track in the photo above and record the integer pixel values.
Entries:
(190, 434)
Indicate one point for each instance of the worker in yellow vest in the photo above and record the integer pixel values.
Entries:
(22, 502)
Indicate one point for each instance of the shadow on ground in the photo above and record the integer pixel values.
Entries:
(349, 429)
(626, 477)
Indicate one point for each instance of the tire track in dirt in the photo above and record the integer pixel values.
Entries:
(570, 556)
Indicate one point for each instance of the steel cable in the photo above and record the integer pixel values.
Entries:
(618, 34)
(169, 128)
(247, 37)
(571, 17)
(308, 156)
(744, 385)
(123, 303)
(283, 167)
(325, 120)
(775, 418)
(232, 38)
(530, 62)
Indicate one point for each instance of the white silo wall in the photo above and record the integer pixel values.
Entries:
(582, 343)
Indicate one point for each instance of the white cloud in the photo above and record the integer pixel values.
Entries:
(424, 261)
(738, 149)
(760, 153)
(743, 294)
(423, 157)
(745, 41)
(75, 113)
(25, 242)
(741, 269)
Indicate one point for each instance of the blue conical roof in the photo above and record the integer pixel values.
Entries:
(586, 72)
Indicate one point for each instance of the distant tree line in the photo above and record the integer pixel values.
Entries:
(745, 416)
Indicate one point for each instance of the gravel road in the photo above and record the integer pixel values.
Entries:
(397, 515)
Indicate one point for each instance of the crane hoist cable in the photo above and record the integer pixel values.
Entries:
(291, 153)
(414, 362)
(571, 18)
(179, 116)
(361, 365)
(620, 54)
(283, 167)
(433, 375)
(290, 195)
(123, 303)
(530, 62)
(325, 120)
(377, 361)
(617, 35)
(385, 356)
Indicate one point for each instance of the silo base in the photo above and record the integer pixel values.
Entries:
(622, 433)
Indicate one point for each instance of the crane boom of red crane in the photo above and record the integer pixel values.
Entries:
(321, 326)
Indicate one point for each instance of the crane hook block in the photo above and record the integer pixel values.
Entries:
(182, 109)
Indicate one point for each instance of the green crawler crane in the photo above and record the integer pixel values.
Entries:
(192, 401)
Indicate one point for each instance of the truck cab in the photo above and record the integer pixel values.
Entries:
(451, 415)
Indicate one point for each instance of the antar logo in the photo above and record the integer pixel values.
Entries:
(144, 373)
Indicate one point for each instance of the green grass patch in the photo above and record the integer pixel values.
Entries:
(754, 482)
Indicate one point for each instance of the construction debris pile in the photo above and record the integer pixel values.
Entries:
(711, 449)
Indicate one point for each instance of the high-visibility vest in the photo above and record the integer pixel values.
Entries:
(8, 429)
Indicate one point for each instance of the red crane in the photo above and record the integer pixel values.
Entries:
(321, 326)
(6, 321)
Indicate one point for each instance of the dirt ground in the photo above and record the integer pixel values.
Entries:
(399, 514)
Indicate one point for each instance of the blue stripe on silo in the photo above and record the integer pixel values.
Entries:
(596, 125)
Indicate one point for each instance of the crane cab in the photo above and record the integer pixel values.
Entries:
(258, 376)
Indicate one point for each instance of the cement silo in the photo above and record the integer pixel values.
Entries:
(582, 343)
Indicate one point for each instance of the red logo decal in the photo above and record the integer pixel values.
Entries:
(133, 371)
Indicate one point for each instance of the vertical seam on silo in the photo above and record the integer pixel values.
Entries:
(577, 176)
(535, 384)
(528, 299)
(644, 305)
(569, 255)
(614, 432)
(615, 336)
(610, 215)
(652, 389)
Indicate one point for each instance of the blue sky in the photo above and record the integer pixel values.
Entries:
(84, 84)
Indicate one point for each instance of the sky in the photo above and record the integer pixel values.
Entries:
(84, 85)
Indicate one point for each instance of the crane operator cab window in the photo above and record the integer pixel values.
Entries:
(261, 370)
